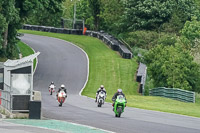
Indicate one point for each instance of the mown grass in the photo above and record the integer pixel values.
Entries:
(164, 105)
(109, 69)
(26, 51)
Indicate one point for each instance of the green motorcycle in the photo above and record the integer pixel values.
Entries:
(120, 104)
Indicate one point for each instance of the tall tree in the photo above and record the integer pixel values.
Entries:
(94, 6)
(13, 14)
(3, 26)
(111, 12)
(11, 18)
(49, 13)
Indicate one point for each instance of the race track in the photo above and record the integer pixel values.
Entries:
(64, 63)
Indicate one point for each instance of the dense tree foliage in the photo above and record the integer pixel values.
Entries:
(147, 14)
(49, 13)
(148, 39)
(191, 33)
(13, 13)
(121, 16)
(98, 14)
(173, 67)
(111, 12)
(10, 22)
(95, 12)
(151, 14)
(84, 13)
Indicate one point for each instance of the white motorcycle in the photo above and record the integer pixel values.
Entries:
(52, 89)
(101, 98)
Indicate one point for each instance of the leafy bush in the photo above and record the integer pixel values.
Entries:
(148, 39)
(142, 39)
(173, 67)
(167, 39)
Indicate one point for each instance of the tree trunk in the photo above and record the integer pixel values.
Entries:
(5, 42)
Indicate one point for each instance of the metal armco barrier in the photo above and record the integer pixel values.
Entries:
(176, 94)
(141, 77)
(112, 42)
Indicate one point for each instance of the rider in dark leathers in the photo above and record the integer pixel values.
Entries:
(62, 87)
(119, 92)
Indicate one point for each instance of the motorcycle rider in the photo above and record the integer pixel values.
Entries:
(52, 84)
(119, 92)
(62, 87)
(99, 90)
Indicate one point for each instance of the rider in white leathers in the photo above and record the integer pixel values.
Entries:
(52, 85)
(99, 90)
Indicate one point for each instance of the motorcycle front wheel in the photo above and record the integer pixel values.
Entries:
(60, 104)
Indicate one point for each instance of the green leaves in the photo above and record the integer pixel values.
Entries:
(13, 14)
(94, 7)
(48, 12)
(147, 14)
(172, 67)
(148, 39)
(111, 12)
(191, 33)
(151, 14)
(2, 29)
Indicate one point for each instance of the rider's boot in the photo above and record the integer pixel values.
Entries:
(96, 100)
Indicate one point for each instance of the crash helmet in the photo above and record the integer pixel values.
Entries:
(62, 86)
(101, 87)
(119, 90)
(52, 82)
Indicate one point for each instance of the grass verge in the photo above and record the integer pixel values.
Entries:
(109, 69)
(26, 51)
